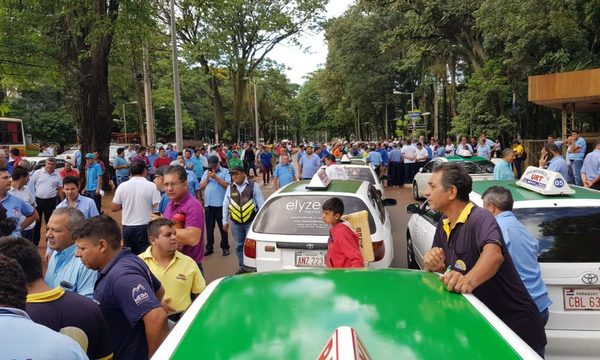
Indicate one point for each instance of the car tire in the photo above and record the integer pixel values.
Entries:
(410, 253)
(415, 190)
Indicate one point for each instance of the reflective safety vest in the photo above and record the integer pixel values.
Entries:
(242, 208)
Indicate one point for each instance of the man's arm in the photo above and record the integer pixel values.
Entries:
(155, 323)
(434, 260)
(116, 207)
(189, 236)
(485, 268)
(99, 184)
(29, 219)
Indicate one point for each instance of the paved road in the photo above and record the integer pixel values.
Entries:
(217, 266)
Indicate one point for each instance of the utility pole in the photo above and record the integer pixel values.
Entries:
(150, 132)
(255, 112)
(176, 94)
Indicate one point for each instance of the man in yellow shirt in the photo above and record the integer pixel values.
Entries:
(178, 273)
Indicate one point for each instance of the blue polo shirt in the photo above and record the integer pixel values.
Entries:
(125, 291)
(164, 201)
(384, 156)
(284, 174)
(193, 184)
(151, 159)
(559, 165)
(503, 171)
(374, 158)
(64, 266)
(213, 192)
(580, 154)
(91, 176)
(172, 154)
(119, 161)
(84, 204)
(15, 208)
(523, 248)
(310, 165)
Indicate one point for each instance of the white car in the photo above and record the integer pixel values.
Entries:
(360, 170)
(478, 167)
(37, 162)
(568, 230)
(288, 231)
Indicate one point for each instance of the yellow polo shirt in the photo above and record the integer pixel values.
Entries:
(180, 279)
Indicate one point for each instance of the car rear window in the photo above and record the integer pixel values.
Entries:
(564, 234)
(486, 166)
(301, 215)
(360, 173)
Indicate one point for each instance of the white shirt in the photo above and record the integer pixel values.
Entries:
(409, 153)
(129, 154)
(44, 185)
(138, 197)
(336, 172)
(28, 197)
(450, 150)
(422, 155)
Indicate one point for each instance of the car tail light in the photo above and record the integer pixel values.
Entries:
(378, 250)
(250, 248)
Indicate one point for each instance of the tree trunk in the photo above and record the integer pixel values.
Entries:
(215, 98)
(239, 95)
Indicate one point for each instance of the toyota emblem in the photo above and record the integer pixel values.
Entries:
(589, 278)
(312, 246)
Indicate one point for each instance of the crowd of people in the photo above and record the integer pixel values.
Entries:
(119, 287)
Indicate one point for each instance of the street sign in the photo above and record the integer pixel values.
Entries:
(414, 114)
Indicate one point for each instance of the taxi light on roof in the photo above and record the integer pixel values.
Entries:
(320, 181)
(345, 159)
(544, 182)
(344, 344)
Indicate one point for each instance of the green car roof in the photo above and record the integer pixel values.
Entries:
(399, 314)
(462, 158)
(522, 194)
(344, 186)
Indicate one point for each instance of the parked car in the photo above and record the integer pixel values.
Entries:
(360, 170)
(37, 162)
(478, 167)
(68, 155)
(288, 231)
(568, 230)
(398, 313)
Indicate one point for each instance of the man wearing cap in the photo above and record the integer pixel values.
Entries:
(242, 201)
(308, 164)
(47, 187)
(214, 182)
(93, 180)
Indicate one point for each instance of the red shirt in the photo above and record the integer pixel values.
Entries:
(64, 173)
(342, 249)
(158, 162)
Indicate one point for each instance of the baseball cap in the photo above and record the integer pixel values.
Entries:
(89, 156)
(213, 159)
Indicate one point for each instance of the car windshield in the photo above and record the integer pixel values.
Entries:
(564, 234)
(301, 215)
(486, 166)
(360, 173)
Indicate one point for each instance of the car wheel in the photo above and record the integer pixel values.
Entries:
(416, 192)
(410, 253)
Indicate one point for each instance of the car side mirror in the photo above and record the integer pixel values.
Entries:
(389, 202)
(413, 209)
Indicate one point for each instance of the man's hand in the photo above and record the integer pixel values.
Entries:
(155, 216)
(166, 303)
(543, 160)
(226, 227)
(434, 259)
(457, 282)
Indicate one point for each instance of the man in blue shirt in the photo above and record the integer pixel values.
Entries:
(483, 149)
(74, 200)
(64, 269)
(374, 158)
(284, 172)
(553, 161)
(308, 164)
(16, 208)
(18, 329)
(128, 294)
(590, 173)
(522, 246)
(396, 171)
(93, 180)
(575, 154)
(152, 155)
(503, 169)
(121, 166)
(214, 184)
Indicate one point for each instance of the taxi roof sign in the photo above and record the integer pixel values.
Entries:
(544, 182)
(344, 344)
(345, 159)
(320, 181)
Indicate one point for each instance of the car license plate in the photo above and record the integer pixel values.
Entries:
(310, 259)
(584, 298)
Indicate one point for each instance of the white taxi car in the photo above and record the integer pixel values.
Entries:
(478, 167)
(289, 233)
(568, 229)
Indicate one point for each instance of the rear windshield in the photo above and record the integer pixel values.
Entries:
(301, 215)
(564, 234)
(486, 166)
(360, 173)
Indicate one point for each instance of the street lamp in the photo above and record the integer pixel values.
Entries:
(176, 93)
(412, 98)
(125, 118)
(255, 108)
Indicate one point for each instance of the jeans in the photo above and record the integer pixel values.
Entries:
(96, 197)
(136, 238)
(121, 179)
(239, 232)
(214, 214)
(576, 165)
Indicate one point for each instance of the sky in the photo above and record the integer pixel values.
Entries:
(300, 62)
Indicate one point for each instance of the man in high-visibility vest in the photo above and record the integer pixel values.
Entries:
(242, 200)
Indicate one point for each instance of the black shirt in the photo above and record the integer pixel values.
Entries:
(504, 293)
